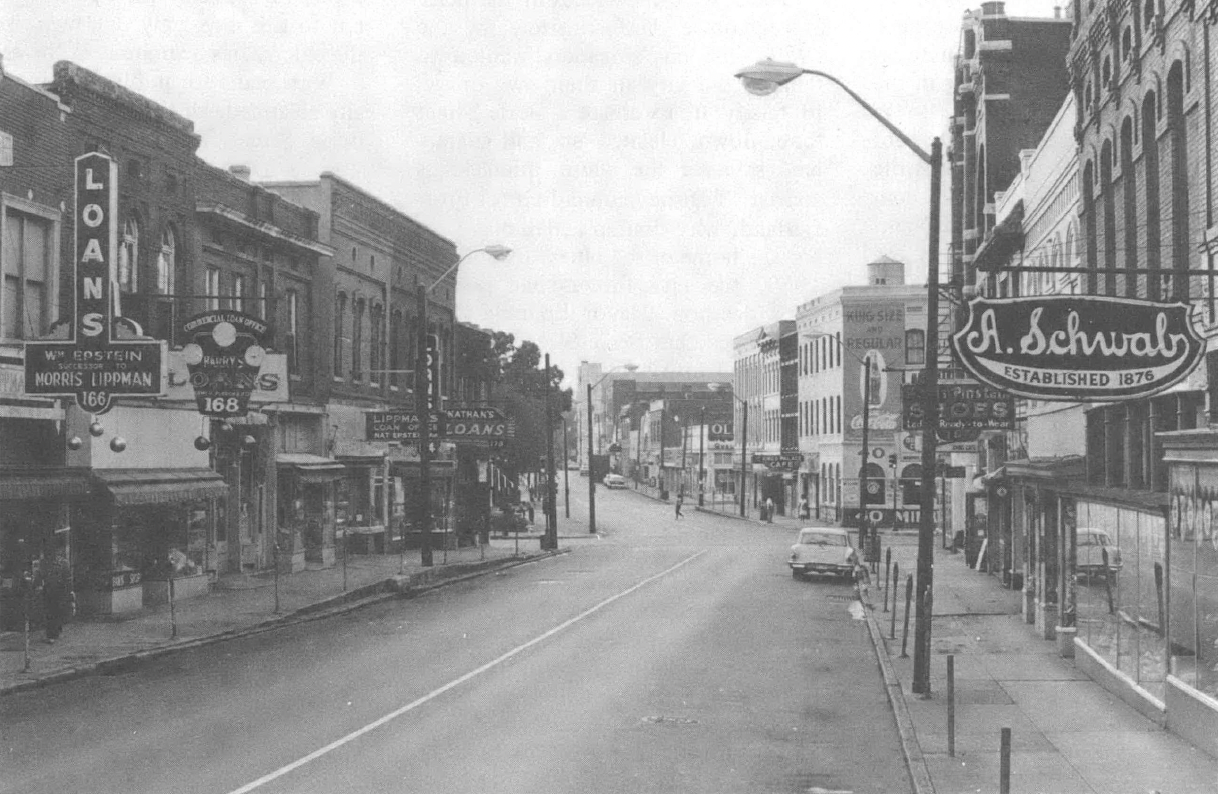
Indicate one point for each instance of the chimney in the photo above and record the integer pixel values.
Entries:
(242, 172)
(1057, 12)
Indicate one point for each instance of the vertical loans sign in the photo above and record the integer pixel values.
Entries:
(91, 366)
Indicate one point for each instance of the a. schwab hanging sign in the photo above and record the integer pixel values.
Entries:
(1078, 348)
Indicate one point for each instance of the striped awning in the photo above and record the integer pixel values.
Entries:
(311, 468)
(160, 486)
(16, 484)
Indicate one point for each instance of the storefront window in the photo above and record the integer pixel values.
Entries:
(1194, 577)
(1119, 590)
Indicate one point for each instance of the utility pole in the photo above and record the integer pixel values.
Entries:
(551, 506)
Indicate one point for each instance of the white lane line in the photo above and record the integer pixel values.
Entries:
(456, 682)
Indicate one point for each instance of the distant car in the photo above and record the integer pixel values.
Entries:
(615, 481)
(822, 550)
(1090, 547)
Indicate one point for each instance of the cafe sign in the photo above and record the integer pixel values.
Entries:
(1078, 348)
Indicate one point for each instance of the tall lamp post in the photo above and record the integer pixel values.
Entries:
(425, 403)
(702, 457)
(764, 78)
(591, 477)
(744, 437)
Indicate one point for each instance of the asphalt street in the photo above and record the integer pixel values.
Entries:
(663, 655)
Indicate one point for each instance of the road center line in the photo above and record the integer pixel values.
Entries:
(456, 682)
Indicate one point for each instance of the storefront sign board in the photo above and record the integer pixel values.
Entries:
(224, 356)
(90, 365)
(1078, 348)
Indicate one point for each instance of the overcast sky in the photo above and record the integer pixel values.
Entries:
(655, 209)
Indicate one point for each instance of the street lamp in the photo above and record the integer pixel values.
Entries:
(763, 78)
(744, 437)
(702, 457)
(424, 402)
(591, 474)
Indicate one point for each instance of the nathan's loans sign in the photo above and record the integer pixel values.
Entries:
(1078, 347)
(92, 366)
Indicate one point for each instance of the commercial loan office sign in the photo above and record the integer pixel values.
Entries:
(1078, 348)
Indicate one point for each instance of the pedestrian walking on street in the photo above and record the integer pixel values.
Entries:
(804, 512)
(769, 510)
(529, 507)
(680, 501)
(57, 595)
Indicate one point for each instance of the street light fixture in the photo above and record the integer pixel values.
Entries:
(591, 474)
(764, 78)
(423, 402)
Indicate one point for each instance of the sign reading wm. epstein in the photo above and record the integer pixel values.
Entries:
(1078, 348)
(90, 365)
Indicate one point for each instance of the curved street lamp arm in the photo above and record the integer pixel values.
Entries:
(497, 251)
(918, 150)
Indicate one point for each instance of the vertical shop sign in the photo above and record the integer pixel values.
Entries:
(92, 366)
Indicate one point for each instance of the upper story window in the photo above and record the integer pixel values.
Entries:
(292, 308)
(212, 288)
(237, 292)
(340, 325)
(166, 260)
(915, 346)
(1106, 72)
(263, 309)
(6, 148)
(1127, 44)
(357, 340)
(1148, 13)
(129, 256)
(29, 274)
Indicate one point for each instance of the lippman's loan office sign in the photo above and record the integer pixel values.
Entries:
(1078, 348)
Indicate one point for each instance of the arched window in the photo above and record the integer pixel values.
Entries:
(1178, 134)
(1150, 157)
(165, 262)
(129, 256)
(340, 327)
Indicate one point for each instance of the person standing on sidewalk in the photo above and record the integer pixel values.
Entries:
(56, 595)
(680, 501)
(769, 510)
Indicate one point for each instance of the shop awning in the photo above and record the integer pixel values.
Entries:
(311, 468)
(160, 486)
(43, 483)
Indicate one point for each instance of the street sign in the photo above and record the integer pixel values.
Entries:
(1078, 348)
(90, 365)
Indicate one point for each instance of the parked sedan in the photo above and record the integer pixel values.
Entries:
(1091, 545)
(823, 550)
(615, 481)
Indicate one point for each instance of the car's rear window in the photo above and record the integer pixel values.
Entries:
(822, 538)
(1093, 539)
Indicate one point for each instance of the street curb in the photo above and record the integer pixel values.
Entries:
(915, 762)
(375, 593)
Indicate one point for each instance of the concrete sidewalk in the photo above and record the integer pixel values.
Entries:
(245, 604)
(1068, 733)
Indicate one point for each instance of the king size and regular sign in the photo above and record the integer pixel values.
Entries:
(90, 365)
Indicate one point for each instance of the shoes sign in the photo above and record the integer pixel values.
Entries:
(1078, 348)
(91, 365)
(224, 357)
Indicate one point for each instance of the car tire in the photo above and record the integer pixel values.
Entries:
(796, 574)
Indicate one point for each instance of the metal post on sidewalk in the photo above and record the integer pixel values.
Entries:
(951, 705)
(896, 576)
(173, 613)
(887, 571)
(27, 581)
(1004, 762)
(275, 554)
(909, 583)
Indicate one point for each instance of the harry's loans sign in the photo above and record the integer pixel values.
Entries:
(1078, 347)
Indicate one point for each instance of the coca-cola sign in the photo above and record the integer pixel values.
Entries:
(1078, 348)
